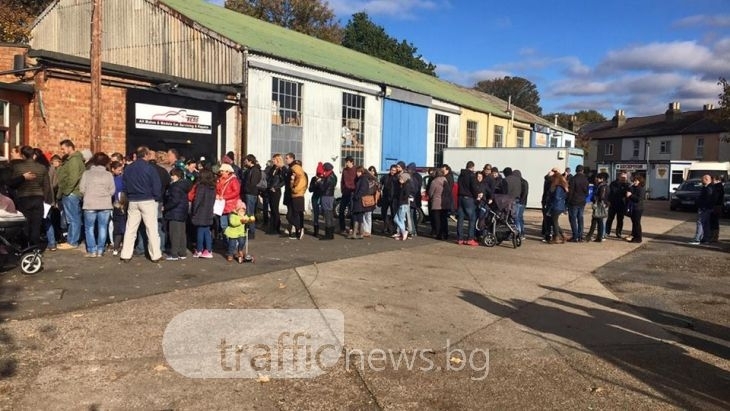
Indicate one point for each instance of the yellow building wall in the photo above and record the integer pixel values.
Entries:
(485, 128)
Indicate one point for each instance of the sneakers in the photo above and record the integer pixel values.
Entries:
(300, 234)
(115, 252)
(196, 254)
(90, 255)
(206, 254)
(471, 243)
(67, 246)
(171, 258)
(694, 242)
(460, 242)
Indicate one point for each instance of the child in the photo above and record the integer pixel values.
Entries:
(176, 214)
(202, 213)
(237, 233)
(119, 221)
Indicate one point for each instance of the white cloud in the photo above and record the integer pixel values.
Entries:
(680, 55)
(703, 20)
(404, 9)
(467, 78)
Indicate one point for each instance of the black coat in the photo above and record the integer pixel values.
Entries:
(202, 208)
(578, 190)
(176, 202)
(468, 184)
(362, 188)
(251, 176)
(706, 199)
(637, 197)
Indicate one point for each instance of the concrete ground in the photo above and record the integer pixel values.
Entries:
(87, 334)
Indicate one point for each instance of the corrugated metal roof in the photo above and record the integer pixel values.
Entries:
(269, 39)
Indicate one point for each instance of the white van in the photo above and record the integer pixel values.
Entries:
(713, 168)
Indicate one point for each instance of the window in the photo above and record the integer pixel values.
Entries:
(286, 117)
(11, 124)
(441, 138)
(520, 138)
(677, 176)
(471, 133)
(608, 149)
(286, 102)
(498, 136)
(568, 143)
(700, 149)
(635, 153)
(553, 141)
(665, 147)
(353, 122)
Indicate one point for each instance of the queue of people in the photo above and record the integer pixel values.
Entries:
(163, 205)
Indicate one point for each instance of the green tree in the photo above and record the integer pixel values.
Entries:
(16, 18)
(363, 35)
(311, 17)
(582, 117)
(522, 92)
(724, 98)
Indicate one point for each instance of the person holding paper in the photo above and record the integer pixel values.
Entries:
(30, 194)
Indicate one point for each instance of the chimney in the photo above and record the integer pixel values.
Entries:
(673, 112)
(708, 107)
(619, 119)
(574, 123)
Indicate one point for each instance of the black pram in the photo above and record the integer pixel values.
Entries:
(495, 221)
(11, 238)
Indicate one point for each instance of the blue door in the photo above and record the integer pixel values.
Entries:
(405, 128)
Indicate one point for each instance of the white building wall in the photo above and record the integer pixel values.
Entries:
(627, 150)
(655, 153)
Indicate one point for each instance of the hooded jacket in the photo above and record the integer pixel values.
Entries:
(299, 180)
(69, 174)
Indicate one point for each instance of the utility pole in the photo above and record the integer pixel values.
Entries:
(95, 57)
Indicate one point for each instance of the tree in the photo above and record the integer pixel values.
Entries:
(16, 19)
(582, 117)
(523, 92)
(724, 98)
(362, 35)
(311, 17)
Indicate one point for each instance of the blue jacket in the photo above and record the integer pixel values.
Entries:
(176, 202)
(557, 200)
(142, 182)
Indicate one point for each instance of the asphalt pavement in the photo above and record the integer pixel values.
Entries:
(541, 326)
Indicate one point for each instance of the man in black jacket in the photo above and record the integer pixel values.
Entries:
(577, 194)
(388, 182)
(705, 202)
(617, 203)
(467, 205)
(249, 186)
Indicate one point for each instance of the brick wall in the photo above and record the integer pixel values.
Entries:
(7, 52)
(67, 114)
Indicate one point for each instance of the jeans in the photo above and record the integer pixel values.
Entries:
(400, 218)
(599, 225)
(467, 209)
(316, 210)
(344, 205)
(235, 245)
(327, 205)
(251, 203)
(50, 232)
(72, 210)
(224, 223)
(204, 239)
(520, 218)
(557, 231)
(575, 214)
(96, 226)
(142, 211)
(367, 222)
(703, 233)
(617, 211)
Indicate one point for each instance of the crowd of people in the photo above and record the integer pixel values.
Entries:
(163, 205)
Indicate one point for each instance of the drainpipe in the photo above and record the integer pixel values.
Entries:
(243, 105)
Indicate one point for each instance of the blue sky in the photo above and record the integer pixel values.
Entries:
(637, 55)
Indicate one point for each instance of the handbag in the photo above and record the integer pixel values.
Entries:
(599, 210)
(629, 208)
(368, 200)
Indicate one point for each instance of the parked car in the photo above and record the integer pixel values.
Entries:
(726, 200)
(685, 195)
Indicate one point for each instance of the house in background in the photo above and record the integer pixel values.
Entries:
(657, 146)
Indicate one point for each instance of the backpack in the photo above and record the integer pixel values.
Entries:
(263, 183)
(374, 190)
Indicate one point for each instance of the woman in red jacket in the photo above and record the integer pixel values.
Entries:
(228, 188)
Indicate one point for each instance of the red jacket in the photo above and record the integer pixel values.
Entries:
(229, 190)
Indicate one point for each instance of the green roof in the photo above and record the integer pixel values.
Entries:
(266, 38)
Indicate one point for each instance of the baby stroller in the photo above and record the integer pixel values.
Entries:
(495, 221)
(11, 237)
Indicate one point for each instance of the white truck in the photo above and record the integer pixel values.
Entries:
(713, 168)
(533, 163)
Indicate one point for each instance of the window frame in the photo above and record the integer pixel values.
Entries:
(353, 113)
(700, 148)
(498, 136)
(608, 149)
(471, 133)
(665, 147)
(636, 150)
(440, 138)
(520, 138)
(286, 99)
